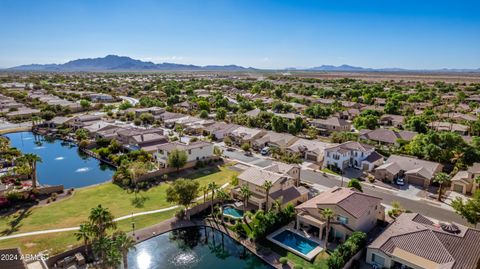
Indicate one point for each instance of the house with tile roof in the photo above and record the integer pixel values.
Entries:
(195, 151)
(352, 154)
(465, 181)
(414, 241)
(332, 124)
(354, 211)
(386, 136)
(274, 139)
(285, 189)
(413, 170)
(310, 150)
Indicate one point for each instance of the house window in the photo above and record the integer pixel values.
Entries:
(189, 151)
(343, 220)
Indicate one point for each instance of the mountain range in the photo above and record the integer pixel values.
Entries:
(123, 63)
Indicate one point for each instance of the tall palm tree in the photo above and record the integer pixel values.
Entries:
(32, 159)
(204, 189)
(85, 234)
(267, 186)
(101, 220)
(441, 178)
(328, 214)
(212, 186)
(246, 193)
(222, 196)
(124, 244)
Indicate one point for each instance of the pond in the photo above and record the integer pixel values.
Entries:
(62, 162)
(193, 248)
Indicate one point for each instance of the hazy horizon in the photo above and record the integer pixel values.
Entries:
(260, 34)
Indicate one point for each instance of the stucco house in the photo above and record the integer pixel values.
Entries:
(274, 139)
(465, 181)
(352, 154)
(243, 135)
(353, 211)
(285, 179)
(196, 151)
(332, 124)
(413, 170)
(310, 150)
(414, 241)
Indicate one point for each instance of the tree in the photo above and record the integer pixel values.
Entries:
(328, 214)
(267, 185)
(212, 186)
(203, 114)
(81, 134)
(217, 151)
(441, 178)
(245, 147)
(85, 234)
(417, 124)
(183, 192)
(33, 159)
(124, 243)
(221, 113)
(177, 159)
(85, 104)
(227, 140)
(469, 209)
(355, 183)
(147, 118)
(101, 220)
(245, 193)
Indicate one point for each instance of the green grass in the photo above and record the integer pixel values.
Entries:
(326, 170)
(72, 211)
(59, 242)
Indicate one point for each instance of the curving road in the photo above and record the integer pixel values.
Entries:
(131, 100)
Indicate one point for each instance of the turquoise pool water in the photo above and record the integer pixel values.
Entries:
(295, 241)
(232, 212)
(62, 162)
(193, 248)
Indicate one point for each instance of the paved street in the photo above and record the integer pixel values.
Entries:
(421, 206)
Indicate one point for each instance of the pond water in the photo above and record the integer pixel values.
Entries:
(62, 162)
(193, 248)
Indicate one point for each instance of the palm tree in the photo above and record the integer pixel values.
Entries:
(213, 187)
(246, 193)
(328, 214)
(441, 178)
(101, 219)
(267, 186)
(32, 159)
(222, 196)
(124, 244)
(84, 233)
(204, 189)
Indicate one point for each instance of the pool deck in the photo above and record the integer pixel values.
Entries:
(309, 256)
(271, 257)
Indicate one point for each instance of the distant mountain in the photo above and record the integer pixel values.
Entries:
(122, 63)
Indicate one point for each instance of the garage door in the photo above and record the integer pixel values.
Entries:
(458, 188)
(415, 180)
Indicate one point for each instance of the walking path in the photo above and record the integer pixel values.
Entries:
(117, 219)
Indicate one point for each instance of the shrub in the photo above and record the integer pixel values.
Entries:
(14, 196)
(283, 260)
(54, 196)
(48, 201)
(297, 266)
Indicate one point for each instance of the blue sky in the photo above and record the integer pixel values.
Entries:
(261, 33)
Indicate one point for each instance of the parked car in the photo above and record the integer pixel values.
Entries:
(248, 153)
(400, 181)
(265, 151)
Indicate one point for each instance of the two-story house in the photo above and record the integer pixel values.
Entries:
(195, 151)
(352, 154)
(353, 211)
(332, 124)
(466, 181)
(284, 178)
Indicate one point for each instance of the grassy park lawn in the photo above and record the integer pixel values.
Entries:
(58, 242)
(71, 211)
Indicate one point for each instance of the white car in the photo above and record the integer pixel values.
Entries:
(400, 181)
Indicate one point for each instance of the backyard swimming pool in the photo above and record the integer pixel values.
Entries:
(232, 212)
(296, 243)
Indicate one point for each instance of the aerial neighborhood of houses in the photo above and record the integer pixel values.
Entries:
(305, 172)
